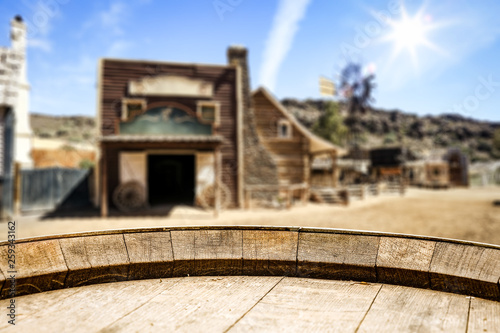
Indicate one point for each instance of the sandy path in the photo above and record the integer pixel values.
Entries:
(459, 213)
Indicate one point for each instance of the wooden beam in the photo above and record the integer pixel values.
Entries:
(17, 188)
(218, 180)
(104, 183)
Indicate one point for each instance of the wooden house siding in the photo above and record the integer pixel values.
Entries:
(115, 76)
(290, 154)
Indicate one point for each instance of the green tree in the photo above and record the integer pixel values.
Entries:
(330, 125)
(86, 164)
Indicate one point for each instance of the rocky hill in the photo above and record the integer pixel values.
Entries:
(77, 129)
(381, 127)
(422, 134)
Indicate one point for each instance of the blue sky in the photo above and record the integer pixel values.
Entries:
(454, 67)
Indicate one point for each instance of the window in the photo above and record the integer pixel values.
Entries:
(131, 108)
(208, 112)
(284, 129)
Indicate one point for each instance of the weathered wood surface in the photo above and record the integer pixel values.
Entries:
(73, 260)
(267, 252)
(484, 316)
(197, 304)
(404, 261)
(95, 259)
(84, 309)
(403, 309)
(337, 256)
(250, 304)
(150, 255)
(460, 268)
(309, 305)
(39, 266)
(207, 252)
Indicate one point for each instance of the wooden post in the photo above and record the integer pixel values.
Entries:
(289, 198)
(218, 180)
(104, 183)
(334, 167)
(249, 198)
(17, 189)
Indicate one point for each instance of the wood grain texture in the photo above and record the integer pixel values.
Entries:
(404, 261)
(89, 309)
(218, 252)
(484, 316)
(183, 252)
(468, 269)
(207, 252)
(150, 255)
(310, 305)
(31, 305)
(95, 259)
(337, 256)
(239, 303)
(267, 252)
(404, 309)
(39, 267)
(197, 304)
(2, 280)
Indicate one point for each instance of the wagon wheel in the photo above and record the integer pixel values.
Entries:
(130, 196)
(207, 197)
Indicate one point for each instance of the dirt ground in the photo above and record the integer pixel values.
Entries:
(466, 214)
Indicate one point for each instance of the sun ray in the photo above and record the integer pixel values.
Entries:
(410, 33)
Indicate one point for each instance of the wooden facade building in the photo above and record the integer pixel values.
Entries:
(194, 134)
(171, 130)
(292, 146)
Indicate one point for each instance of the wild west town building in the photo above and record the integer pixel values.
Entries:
(15, 131)
(195, 134)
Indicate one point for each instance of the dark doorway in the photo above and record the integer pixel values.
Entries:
(171, 179)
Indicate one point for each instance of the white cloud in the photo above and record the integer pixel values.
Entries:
(279, 42)
(112, 18)
(117, 48)
(41, 44)
(108, 21)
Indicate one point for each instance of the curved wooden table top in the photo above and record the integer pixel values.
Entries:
(261, 278)
(252, 303)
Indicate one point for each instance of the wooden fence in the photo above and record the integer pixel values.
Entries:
(51, 188)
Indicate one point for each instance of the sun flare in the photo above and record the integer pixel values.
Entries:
(409, 33)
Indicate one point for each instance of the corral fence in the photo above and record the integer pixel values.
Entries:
(48, 189)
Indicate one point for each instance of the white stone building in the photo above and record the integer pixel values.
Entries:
(14, 100)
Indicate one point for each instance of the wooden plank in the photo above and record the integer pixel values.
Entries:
(310, 305)
(183, 252)
(197, 304)
(150, 255)
(218, 252)
(95, 259)
(269, 252)
(337, 256)
(86, 309)
(484, 316)
(404, 261)
(404, 309)
(31, 305)
(39, 267)
(207, 252)
(466, 269)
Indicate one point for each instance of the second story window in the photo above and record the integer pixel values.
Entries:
(284, 129)
(208, 112)
(131, 108)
